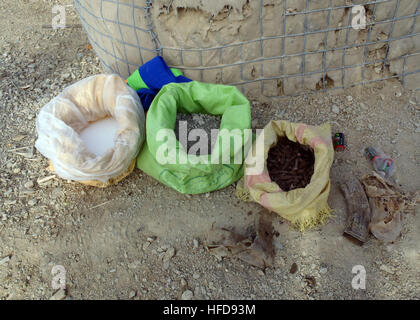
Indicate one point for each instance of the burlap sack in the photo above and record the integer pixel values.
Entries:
(303, 207)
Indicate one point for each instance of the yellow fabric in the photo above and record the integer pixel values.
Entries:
(303, 207)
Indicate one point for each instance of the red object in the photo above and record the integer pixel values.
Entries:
(340, 147)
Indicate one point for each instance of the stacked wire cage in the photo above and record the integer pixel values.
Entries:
(266, 48)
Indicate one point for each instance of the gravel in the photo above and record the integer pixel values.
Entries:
(206, 122)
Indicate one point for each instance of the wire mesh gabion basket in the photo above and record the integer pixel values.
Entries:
(267, 48)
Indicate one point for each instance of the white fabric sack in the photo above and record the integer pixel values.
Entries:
(60, 122)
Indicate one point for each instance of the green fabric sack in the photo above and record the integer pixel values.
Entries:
(196, 174)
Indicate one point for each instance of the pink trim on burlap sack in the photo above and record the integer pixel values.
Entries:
(299, 132)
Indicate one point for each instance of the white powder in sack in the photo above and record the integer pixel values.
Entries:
(99, 136)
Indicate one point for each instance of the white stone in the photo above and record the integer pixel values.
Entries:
(29, 184)
(4, 260)
(187, 295)
(335, 109)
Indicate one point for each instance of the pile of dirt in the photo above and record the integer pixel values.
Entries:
(185, 123)
(290, 164)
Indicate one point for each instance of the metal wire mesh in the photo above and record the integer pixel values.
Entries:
(123, 34)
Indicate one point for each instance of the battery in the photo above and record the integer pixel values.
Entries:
(339, 142)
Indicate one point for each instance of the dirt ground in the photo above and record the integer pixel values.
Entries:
(112, 241)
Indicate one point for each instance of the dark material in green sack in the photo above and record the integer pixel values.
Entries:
(197, 174)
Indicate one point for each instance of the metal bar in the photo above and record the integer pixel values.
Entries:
(389, 37)
(324, 53)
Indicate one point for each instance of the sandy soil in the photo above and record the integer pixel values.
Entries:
(112, 242)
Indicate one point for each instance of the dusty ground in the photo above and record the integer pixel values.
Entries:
(100, 236)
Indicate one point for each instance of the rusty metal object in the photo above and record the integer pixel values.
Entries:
(358, 211)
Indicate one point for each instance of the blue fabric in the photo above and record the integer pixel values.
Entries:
(155, 74)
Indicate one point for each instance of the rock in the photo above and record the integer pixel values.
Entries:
(168, 254)
(386, 269)
(349, 98)
(5, 260)
(203, 291)
(18, 138)
(59, 295)
(45, 179)
(398, 94)
(370, 127)
(211, 286)
(187, 295)
(195, 243)
(280, 261)
(197, 291)
(293, 268)
(135, 264)
(32, 202)
(132, 294)
(29, 184)
(278, 245)
(164, 247)
(323, 270)
(166, 265)
(146, 245)
(261, 273)
(183, 282)
(9, 202)
(335, 109)
(196, 276)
